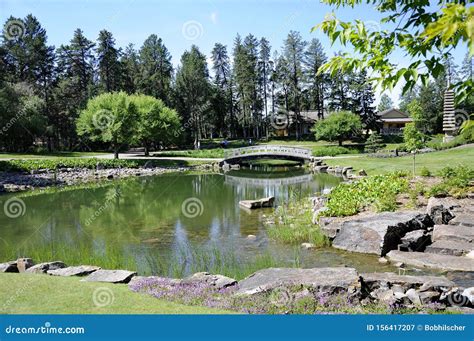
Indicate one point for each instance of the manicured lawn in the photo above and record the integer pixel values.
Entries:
(43, 294)
(50, 155)
(434, 161)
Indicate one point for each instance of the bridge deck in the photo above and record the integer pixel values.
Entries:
(267, 151)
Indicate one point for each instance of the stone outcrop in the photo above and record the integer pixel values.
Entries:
(432, 260)
(449, 247)
(8, 267)
(81, 270)
(24, 263)
(330, 280)
(379, 233)
(453, 233)
(45, 267)
(216, 281)
(110, 276)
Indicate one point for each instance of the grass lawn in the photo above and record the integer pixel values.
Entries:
(43, 294)
(50, 155)
(434, 161)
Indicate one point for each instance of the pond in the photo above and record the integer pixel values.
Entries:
(171, 224)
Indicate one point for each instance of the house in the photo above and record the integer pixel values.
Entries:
(307, 120)
(393, 121)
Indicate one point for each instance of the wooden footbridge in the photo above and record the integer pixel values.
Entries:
(241, 155)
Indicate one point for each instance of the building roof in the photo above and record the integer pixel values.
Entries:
(394, 115)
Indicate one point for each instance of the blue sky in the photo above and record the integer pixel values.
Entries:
(181, 23)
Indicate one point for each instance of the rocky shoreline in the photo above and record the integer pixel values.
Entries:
(44, 178)
(280, 290)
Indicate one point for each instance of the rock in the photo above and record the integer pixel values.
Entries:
(308, 246)
(470, 255)
(469, 294)
(449, 247)
(400, 283)
(110, 276)
(8, 267)
(415, 241)
(464, 219)
(453, 233)
(427, 297)
(384, 295)
(264, 202)
(251, 237)
(431, 260)
(378, 233)
(322, 169)
(217, 281)
(24, 263)
(327, 280)
(331, 230)
(362, 172)
(346, 170)
(44, 267)
(81, 270)
(439, 209)
(383, 260)
(413, 296)
(110, 176)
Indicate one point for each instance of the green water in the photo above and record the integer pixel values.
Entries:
(151, 220)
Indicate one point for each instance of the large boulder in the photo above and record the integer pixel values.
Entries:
(450, 247)
(110, 276)
(432, 260)
(453, 233)
(328, 280)
(81, 270)
(376, 280)
(217, 281)
(45, 267)
(8, 267)
(379, 233)
(440, 209)
(24, 263)
(463, 219)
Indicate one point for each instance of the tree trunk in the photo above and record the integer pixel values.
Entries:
(146, 150)
(340, 142)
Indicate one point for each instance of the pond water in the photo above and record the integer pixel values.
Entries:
(189, 218)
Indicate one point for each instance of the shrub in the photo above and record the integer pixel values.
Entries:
(378, 191)
(338, 126)
(374, 143)
(333, 151)
(425, 172)
(456, 182)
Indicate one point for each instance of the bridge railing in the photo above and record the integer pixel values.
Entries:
(268, 149)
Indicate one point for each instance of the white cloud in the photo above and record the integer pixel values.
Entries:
(213, 17)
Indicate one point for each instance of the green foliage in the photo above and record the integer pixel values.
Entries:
(156, 122)
(467, 131)
(378, 191)
(374, 143)
(421, 31)
(456, 182)
(339, 126)
(425, 171)
(333, 151)
(293, 224)
(412, 137)
(109, 118)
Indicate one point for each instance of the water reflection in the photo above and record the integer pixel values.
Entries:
(146, 220)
